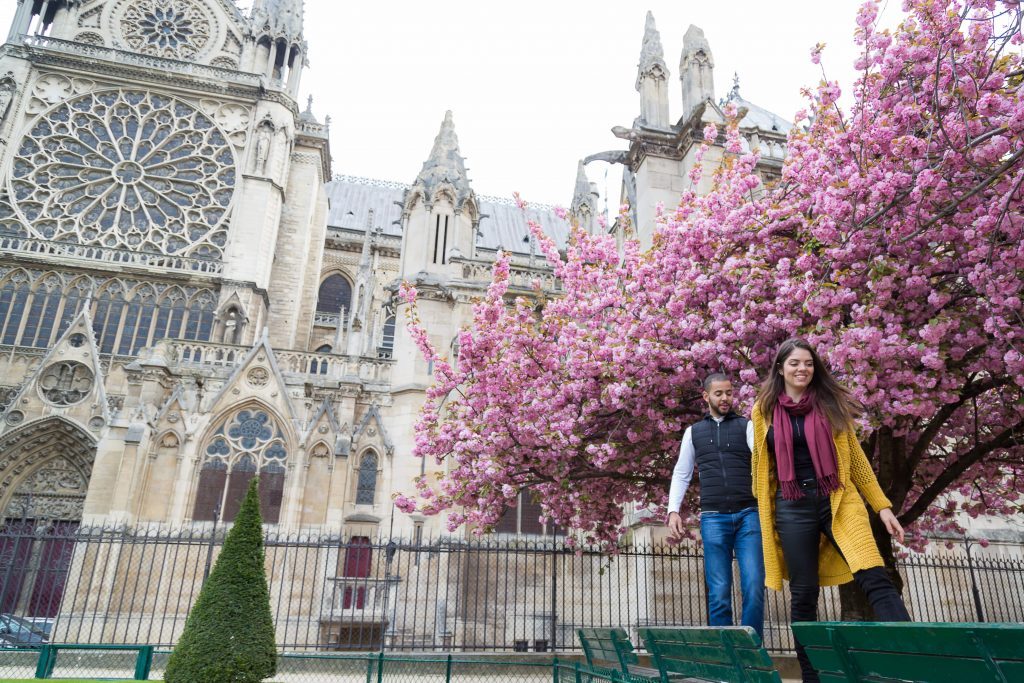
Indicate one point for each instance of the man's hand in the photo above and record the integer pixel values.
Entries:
(675, 525)
(892, 525)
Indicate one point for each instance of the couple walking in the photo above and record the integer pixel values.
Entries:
(784, 492)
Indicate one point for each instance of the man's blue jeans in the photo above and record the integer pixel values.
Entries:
(724, 535)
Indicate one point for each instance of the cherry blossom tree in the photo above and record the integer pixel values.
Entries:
(894, 241)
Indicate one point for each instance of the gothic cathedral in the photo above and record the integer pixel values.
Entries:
(188, 298)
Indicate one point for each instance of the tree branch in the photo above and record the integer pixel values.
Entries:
(956, 469)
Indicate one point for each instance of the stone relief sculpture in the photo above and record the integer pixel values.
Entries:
(7, 90)
(264, 137)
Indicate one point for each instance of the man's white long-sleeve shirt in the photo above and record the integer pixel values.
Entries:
(682, 474)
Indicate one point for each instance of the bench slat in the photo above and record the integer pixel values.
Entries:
(711, 653)
(610, 649)
(1005, 641)
(939, 653)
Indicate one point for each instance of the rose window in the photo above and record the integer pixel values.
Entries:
(66, 383)
(174, 29)
(249, 432)
(126, 169)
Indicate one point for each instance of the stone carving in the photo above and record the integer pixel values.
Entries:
(115, 403)
(125, 168)
(264, 137)
(89, 38)
(15, 417)
(7, 395)
(34, 446)
(321, 450)
(232, 45)
(90, 18)
(66, 383)
(173, 29)
(52, 88)
(77, 340)
(7, 89)
(234, 120)
(258, 377)
(56, 490)
(96, 423)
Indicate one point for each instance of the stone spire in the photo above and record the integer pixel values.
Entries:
(584, 200)
(307, 115)
(278, 19)
(734, 92)
(696, 70)
(652, 78)
(444, 167)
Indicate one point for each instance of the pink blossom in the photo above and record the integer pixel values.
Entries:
(891, 241)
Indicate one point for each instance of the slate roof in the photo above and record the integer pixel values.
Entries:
(502, 223)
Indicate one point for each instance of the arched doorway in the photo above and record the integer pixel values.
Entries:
(45, 468)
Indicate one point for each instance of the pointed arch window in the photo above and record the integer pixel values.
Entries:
(36, 308)
(246, 442)
(334, 295)
(319, 366)
(366, 484)
(387, 339)
(441, 239)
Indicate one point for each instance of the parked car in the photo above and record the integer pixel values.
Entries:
(18, 632)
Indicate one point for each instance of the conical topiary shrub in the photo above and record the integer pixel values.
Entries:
(229, 635)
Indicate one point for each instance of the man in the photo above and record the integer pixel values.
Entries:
(720, 446)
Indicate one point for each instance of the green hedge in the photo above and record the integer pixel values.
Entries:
(229, 634)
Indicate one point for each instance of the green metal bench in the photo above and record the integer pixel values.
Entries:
(721, 653)
(48, 657)
(610, 652)
(936, 653)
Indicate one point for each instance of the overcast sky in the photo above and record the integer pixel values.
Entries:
(534, 86)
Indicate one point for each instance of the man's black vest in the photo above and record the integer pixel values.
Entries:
(723, 464)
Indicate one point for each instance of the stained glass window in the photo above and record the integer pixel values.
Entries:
(366, 486)
(335, 293)
(246, 442)
(126, 169)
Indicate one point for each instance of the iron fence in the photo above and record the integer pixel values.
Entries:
(106, 664)
(63, 584)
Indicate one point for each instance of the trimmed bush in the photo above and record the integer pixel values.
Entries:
(229, 634)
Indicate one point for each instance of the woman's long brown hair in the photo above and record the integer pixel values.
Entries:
(835, 400)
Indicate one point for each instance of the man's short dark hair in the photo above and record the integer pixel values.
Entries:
(715, 377)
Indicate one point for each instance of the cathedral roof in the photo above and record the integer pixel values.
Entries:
(502, 223)
(756, 117)
(761, 118)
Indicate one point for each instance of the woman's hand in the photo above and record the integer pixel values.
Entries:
(892, 525)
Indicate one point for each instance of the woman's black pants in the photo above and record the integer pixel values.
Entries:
(800, 524)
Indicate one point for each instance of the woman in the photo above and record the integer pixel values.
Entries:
(809, 473)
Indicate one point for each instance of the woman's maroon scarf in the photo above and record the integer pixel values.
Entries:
(819, 442)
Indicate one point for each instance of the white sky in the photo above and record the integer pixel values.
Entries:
(535, 86)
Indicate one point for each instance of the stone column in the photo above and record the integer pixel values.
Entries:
(22, 19)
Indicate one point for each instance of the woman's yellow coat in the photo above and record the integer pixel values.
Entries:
(850, 524)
